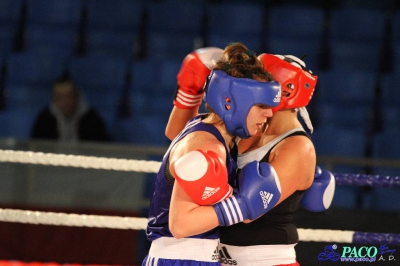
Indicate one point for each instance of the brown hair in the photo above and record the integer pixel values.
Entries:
(238, 61)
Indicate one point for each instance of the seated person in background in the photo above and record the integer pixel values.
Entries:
(68, 118)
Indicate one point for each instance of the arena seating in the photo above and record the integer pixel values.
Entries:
(173, 28)
(356, 38)
(10, 13)
(132, 33)
(52, 26)
(306, 38)
(238, 21)
(113, 29)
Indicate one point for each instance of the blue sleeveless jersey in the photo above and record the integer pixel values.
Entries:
(162, 189)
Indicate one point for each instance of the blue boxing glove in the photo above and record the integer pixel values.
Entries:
(259, 191)
(318, 197)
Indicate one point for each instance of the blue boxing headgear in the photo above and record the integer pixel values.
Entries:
(231, 98)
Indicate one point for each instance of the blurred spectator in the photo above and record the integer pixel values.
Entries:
(68, 118)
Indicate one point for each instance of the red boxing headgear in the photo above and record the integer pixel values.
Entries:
(297, 83)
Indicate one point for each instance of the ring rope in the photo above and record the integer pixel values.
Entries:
(79, 161)
(66, 219)
(367, 180)
(29, 157)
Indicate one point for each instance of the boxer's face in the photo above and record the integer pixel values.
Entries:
(257, 117)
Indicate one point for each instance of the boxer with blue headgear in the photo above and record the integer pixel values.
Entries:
(231, 98)
(193, 192)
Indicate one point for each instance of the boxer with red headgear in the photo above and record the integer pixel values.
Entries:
(298, 83)
(270, 239)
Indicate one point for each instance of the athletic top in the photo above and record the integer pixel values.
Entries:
(277, 226)
(162, 188)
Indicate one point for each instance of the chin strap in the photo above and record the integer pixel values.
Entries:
(306, 118)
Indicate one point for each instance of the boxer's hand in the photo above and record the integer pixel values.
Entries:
(319, 196)
(203, 176)
(192, 76)
(259, 190)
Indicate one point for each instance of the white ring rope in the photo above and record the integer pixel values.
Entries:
(65, 219)
(325, 235)
(79, 161)
(116, 222)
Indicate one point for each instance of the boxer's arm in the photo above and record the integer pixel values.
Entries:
(294, 160)
(191, 78)
(177, 121)
(186, 217)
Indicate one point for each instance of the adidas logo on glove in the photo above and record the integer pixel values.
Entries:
(266, 198)
(208, 192)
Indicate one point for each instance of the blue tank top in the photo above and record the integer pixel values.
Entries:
(162, 188)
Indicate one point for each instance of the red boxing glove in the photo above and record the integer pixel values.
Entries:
(203, 176)
(192, 76)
